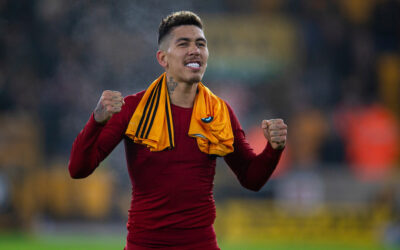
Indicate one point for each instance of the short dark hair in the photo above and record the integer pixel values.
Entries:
(177, 19)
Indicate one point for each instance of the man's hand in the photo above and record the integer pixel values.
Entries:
(275, 130)
(110, 103)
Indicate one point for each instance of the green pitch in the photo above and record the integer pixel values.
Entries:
(25, 242)
(22, 242)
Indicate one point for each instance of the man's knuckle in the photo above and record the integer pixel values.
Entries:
(106, 97)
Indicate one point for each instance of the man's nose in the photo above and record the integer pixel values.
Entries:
(194, 50)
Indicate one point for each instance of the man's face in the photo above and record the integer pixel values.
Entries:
(186, 54)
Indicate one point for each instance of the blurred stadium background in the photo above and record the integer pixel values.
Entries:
(330, 68)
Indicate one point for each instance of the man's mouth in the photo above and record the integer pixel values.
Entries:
(193, 65)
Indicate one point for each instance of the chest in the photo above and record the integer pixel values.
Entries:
(184, 161)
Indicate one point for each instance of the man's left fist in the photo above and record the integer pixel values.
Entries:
(275, 130)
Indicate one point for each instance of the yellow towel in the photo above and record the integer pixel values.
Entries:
(151, 123)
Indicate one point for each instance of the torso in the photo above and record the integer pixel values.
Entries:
(171, 188)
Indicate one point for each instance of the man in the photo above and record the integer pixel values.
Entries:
(173, 133)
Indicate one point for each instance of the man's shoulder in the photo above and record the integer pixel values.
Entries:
(234, 120)
(228, 106)
(134, 99)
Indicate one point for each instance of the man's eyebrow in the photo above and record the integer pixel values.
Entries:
(201, 39)
(185, 39)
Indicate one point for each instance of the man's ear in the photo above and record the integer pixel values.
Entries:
(162, 58)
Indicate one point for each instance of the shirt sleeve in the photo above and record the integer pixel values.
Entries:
(252, 170)
(96, 141)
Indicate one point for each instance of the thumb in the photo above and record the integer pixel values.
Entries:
(265, 124)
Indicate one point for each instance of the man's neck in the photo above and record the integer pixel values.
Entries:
(181, 94)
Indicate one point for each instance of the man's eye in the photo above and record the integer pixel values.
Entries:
(201, 44)
(182, 44)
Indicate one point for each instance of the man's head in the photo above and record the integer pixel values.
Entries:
(182, 45)
(174, 20)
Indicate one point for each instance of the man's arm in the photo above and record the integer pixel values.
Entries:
(100, 136)
(252, 170)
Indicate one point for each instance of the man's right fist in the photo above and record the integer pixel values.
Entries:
(110, 103)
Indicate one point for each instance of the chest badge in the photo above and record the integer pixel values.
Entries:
(207, 119)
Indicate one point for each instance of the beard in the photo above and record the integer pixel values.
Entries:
(195, 79)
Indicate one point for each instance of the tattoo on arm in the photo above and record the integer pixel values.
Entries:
(171, 85)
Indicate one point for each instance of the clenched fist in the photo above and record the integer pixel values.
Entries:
(275, 130)
(110, 103)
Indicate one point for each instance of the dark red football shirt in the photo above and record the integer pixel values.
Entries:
(172, 191)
